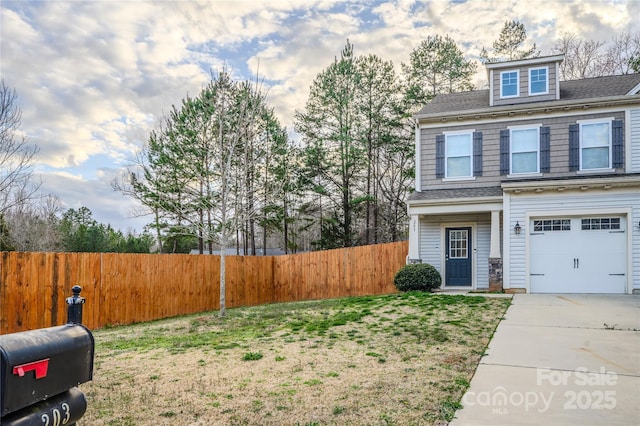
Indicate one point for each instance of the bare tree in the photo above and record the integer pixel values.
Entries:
(17, 158)
(623, 53)
(582, 58)
(198, 171)
(595, 58)
(233, 116)
(34, 225)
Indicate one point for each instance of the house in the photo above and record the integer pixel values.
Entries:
(532, 185)
(233, 252)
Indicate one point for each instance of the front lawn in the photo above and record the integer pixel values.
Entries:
(401, 359)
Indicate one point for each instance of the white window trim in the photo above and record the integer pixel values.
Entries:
(418, 165)
(546, 89)
(517, 71)
(608, 120)
(557, 80)
(491, 87)
(446, 171)
(511, 129)
(458, 179)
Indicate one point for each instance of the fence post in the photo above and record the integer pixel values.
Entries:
(74, 308)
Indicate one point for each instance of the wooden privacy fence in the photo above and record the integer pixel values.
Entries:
(128, 288)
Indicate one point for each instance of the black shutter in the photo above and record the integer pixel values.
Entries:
(477, 153)
(439, 156)
(504, 152)
(545, 149)
(574, 147)
(618, 144)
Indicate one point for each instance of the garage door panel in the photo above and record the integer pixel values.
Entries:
(577, 255)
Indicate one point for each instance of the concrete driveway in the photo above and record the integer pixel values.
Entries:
(560, 360)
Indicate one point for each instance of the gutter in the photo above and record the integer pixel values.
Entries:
(530, 108)
(457, 201)
(583, 184)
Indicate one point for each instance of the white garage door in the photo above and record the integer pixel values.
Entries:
(578, 254)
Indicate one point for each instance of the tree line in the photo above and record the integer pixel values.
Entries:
(222, 169)
(220, 172)
(49, 228)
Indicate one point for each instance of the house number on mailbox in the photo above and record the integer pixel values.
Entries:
(57, 416)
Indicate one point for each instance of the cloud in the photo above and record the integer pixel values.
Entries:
(107, 206)
(94, 77)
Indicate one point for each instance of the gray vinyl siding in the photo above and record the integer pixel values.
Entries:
(524, 86)
(576, 204)
(432, 246)
(430, 242)
(559, 150)
(635, 141)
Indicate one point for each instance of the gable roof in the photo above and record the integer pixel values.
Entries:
(573, 90)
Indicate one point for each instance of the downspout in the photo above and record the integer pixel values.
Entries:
(418, 185)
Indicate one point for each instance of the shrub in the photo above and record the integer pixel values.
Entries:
(417, 277)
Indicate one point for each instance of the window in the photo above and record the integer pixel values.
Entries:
(458, 244)
(509, 84)
(552, 225)
(601, 223)
(538, 81)
(524, 150)
(458, 154)
(595, 145)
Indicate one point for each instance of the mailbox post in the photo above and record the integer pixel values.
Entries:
(74, 306)
(41, 369)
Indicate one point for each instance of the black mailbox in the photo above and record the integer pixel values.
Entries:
(63, 409)
(38, 365)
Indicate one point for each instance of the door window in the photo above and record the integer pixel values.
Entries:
(552, 225)
(458, 240)
(597, 223)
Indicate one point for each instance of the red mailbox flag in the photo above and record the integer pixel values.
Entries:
(40, 368)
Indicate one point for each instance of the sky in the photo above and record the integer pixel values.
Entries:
(94, 77)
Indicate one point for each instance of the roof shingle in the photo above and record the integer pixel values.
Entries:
(589, 88)
(442, 194)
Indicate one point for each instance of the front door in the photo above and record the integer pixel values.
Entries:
(458, 257)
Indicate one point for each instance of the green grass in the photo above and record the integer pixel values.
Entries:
(298, 320)
(403, 358)
(252, 356)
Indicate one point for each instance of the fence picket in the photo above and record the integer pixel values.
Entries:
(128, 288)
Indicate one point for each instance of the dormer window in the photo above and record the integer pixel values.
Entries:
(509, 87)
(524, 80)
(538, 81)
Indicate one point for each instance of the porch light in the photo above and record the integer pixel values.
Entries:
(517, 228)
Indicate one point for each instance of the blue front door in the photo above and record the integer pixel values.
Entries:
(458, 257)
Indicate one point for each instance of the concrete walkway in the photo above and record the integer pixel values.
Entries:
(560, 360)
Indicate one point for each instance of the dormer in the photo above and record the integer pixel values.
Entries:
(524, 81)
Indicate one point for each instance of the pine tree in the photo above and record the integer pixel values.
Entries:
(437, 66)
(509, 45)
(333, 158)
